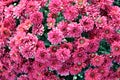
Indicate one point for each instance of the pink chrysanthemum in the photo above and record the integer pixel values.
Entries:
(53, 49)
(63, 26)
(79, 56)
(76, 68)
(87, 23)
(42, 55)
(103, 70)
(67, 45)
(101, 22)
(40, 44)
(36, 18)
(8, 11)
(118, 73)
(92, 74)
(42, 2)
(27, 24)
(63, 54)
(55, 6)
(108, 2)
(55, 64)
(107, 32)
(38, 29)
(74, 30)
(9, 23)
(4, 33)
(115, 48)
(82, 42)
(55, 36)
(14, 54)
(98, 60)
(7, 2)
(93, 45)
(92, 11)
(69, 12)
(95, 33)
(36, 75)
(28, 46)
(81, 3)
(108, 60)
(38, 66)
(50, 22)
(65, 68)
(19, 9)
(31, 7)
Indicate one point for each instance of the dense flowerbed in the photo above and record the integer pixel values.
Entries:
(59, 40)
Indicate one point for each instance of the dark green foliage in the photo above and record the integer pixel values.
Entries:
(85, 34)
(17, 21)
(115, 66)
(30, 30)
(69, 39)
(15, 3)
(116, 3)
(7, 49)
(78, 18)
(59, 18)
(104, 47)
(44, 38)
(70, 77)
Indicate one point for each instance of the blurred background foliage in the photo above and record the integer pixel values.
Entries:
(116, 2)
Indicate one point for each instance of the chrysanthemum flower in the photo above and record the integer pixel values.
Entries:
(42, 55)
(103, 70)
(67, 45)
(101, 22)
(65, 68)
(115, 48)
(36, 18)
(53, 49)
(69, 12)
(79, 56)
(76, 68)
(82, 42)
(63, 26)
(118, 73)
(74, 30)
(38, 29)
(92, 74)
(9, 23)
(55, 64)
(27, 46)
(107, 32)
(63, 54)
(93, 45)
(87, 23)
(55, 6)
(98, 60)
(31, 7)
(50, 22)
(55, 36)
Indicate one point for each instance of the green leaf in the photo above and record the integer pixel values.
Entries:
(104, 47)
(69, 39)
(60, 17)
(44, 38)
(85, 34)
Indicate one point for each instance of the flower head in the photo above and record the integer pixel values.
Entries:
(55, 36)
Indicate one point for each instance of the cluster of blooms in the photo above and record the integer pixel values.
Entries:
(24, 56)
